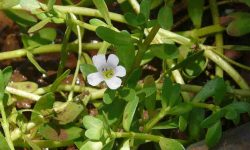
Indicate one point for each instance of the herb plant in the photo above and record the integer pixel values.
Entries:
(121, 105)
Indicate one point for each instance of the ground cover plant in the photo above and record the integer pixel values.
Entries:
(125, 74)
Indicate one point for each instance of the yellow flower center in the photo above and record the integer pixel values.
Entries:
(107, 73)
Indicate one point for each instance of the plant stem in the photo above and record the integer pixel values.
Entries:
(5, 126)
(144, 46)
(211, 107)
(133, 135)
(201, 32)
(218, 36)
(86, 12)
(227, 68)
(79, 37)
(156, 119)
(51, 48)
(46, 143)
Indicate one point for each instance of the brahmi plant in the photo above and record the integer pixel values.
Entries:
(122, 105)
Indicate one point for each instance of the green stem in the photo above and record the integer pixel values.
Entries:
(148, 126)
(211, 107)
(227, 68)
(79, 37)
(45, 143)
(133, 135)
(87, 12)
(5, 126)
(218, 36)
(51, 48)
(144, 46)
(208, 30)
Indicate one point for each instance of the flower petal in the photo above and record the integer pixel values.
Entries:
(99, 61)
(113, 60)
(95, 78)
(120, 71)
(114, 83)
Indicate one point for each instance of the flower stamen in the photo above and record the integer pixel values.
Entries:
(107, 73)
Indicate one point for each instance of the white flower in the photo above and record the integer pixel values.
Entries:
(108, 71)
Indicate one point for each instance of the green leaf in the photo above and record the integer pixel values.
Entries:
(21, 17)
(213, 134)
(195, 118)
(45, 102)
(195, 68)
(57, 133)
(102, 7)
(170, 93)
(87, 69)
(135, 20)
(165, 17)
(50, 4)
(215, 87)
(125, 145)
(125, 52)
(5, 76)
(89, 145)
(114, 111)
(145, 8)
(3, 143)
(39, 25)
(170, 124)
(149, 90)
(7, 72)
(31, 58)
(165, 51)
(109, 96)
(240, 107)
(180, 109)
(58, 81)
(129, 112)
(113, 37)
(188, 60)
(109, 145)
(5, 4)
(183, 122)
(195, 11)
(25, 86)
(70, 112)
(127, 94)
(170, 144)
(94, 127)
(240, 25)
(231, 114)
(30, 5)
(42, 37)
(97, 22)
(134, 77)
(212, 119)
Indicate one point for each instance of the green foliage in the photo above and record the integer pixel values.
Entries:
(4, 4)
(170, 144)
(94, 127)
(170, 93)
(4, 144)
(195, 11)
(102, 7)
(114, 37)
(129, 111)
(164, 51)
(213, 134)
(165, 17)
(153, 100)
(240, 24)
(216, 88)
